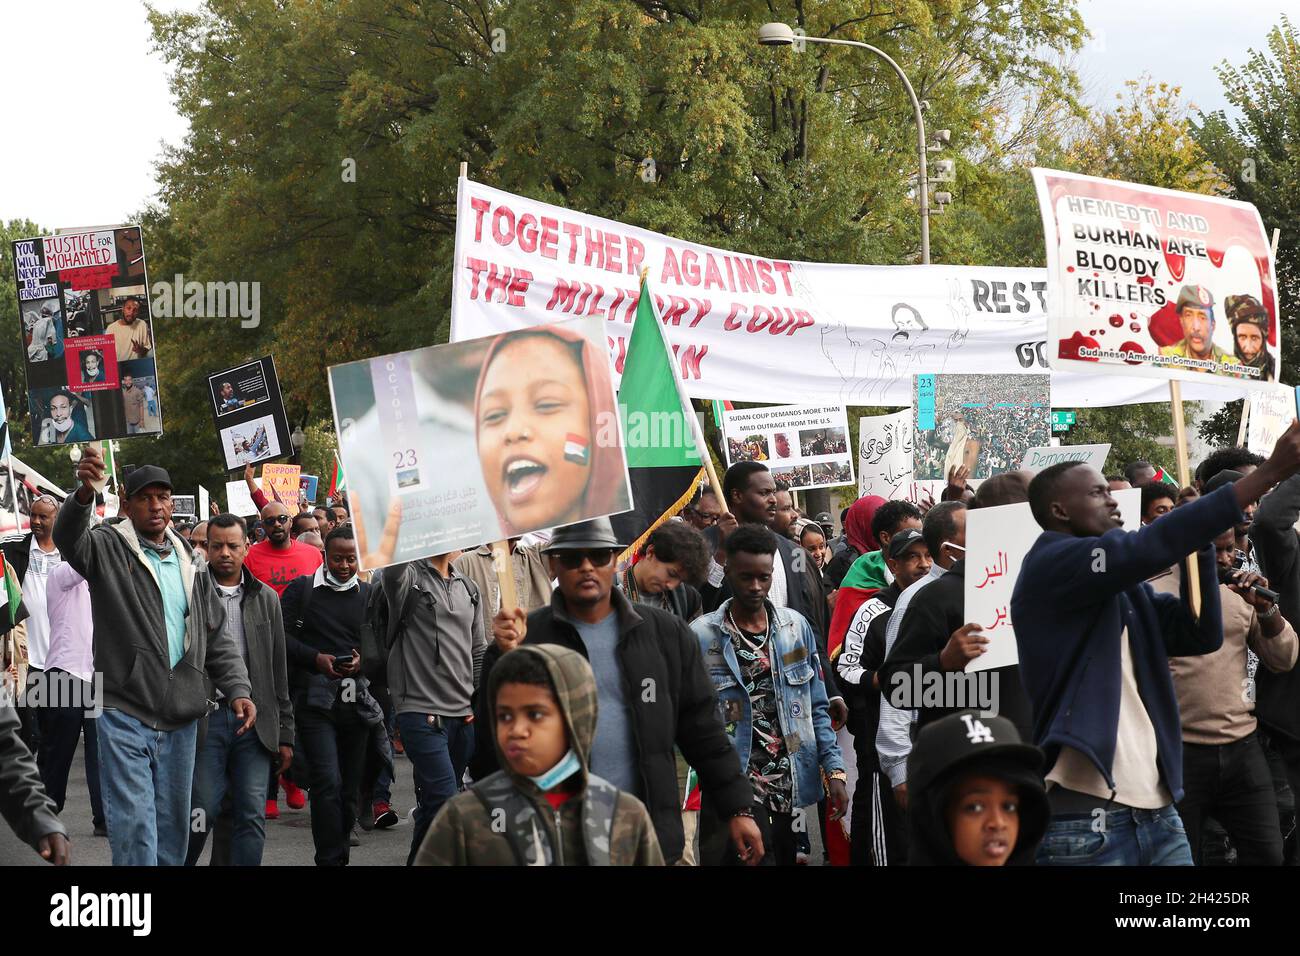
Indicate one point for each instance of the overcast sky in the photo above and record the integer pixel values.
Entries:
(86, 104)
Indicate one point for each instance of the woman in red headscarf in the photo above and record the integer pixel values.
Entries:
(858, 536)
(547, 430)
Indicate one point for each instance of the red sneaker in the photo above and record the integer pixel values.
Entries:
(293, 794)
(385, 816)
(272, 810)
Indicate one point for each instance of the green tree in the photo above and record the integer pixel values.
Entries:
(326, 137)
(1256, 152)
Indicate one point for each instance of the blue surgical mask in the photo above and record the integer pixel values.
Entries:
(562, 771)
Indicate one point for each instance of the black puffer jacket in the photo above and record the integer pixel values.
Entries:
(654, 646)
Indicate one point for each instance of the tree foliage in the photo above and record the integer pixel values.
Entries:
(802, 155)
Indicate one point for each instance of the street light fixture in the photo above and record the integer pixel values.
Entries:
(781, 34)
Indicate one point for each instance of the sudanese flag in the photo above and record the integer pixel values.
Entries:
(658, 432)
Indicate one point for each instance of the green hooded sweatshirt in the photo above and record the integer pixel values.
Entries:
(594, 815)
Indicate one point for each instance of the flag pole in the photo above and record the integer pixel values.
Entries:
(13, 491)
(1184, 479)
(687, 408)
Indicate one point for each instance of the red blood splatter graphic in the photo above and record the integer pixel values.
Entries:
(1148, 280)
(1069, 349)
(1135, 327)
(1164, 325)
(1117, 321)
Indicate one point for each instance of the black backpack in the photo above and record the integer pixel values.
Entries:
(380, 634)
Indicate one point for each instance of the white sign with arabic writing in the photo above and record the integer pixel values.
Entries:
(997, 540)
(885, 455)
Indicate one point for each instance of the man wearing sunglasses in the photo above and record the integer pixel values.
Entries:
(704, 511)
(652, 690)
(278, 560)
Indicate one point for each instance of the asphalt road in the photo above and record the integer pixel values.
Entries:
(288, 839)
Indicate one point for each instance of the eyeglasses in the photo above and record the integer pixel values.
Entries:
(277, 519)
(704, 516)
(572, 560)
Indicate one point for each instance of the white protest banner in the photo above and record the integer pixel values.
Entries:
(805, 446)
(205, 504)
(1155, 282)
(885, 454)
(1036, 459)
(997, 540)
(479, 441)
(239, 501)
(750, 328)
(1272, 410)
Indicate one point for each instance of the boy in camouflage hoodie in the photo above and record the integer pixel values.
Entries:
(545, 808)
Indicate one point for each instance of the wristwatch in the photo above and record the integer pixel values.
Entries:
(1270, 613)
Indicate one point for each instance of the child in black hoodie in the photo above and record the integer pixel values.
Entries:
(976, 794)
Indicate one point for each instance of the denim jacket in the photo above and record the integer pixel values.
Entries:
(801, 695)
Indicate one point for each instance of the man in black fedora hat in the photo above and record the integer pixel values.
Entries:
(652, 690)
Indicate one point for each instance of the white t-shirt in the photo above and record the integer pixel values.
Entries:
(39, 566)
(779, 594)
(1135, 770)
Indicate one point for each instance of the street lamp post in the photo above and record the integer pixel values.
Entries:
(780, 34)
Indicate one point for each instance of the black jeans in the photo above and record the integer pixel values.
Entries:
(335, 743)
(1283, 753)
(780, 841)
(1232, 783)
(59, 730)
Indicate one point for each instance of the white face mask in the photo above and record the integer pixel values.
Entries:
(62, 426)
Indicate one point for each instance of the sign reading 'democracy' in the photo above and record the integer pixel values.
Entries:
(885, 454)
(1036, 459)
(1156, 282)
(1272, 410)
(805, 446)
(750, 328)
(997, 540)
(480, 441)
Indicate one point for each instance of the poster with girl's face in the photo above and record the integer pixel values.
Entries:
(453, 446)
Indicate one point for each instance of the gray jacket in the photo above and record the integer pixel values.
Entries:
(131, 629)
(23, 801)
(267, 671)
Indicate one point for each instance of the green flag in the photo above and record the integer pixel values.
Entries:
(659, 430)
